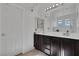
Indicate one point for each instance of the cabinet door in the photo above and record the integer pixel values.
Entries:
(36, 41)
(76, 48)
(46, 47)
(68, 46)
(56, 47)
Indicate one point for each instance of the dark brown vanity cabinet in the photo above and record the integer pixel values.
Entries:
(38, 41)
(42, 43)
(46, 45)
(68, 46)
(55, 46)
(76, 48)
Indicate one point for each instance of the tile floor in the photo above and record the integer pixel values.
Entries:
(34, 52)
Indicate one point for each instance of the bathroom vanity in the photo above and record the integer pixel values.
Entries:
(56, 46)
(59, 32)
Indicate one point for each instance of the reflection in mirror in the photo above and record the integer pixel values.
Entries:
(64, 19)
(39, 25)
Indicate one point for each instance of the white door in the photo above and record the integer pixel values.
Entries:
(11, 35)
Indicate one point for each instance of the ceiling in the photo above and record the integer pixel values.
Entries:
(26, 6)
(38, 7)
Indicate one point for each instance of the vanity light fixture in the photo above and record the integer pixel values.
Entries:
(53, 7)
(50, 7)
(57, 4)
(47, 8)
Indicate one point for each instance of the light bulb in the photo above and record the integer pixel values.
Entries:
(50, 7)
(57, 4)
(47, 8)
(53, 6)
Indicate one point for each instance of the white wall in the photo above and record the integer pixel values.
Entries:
(0, 29)
(28, 31)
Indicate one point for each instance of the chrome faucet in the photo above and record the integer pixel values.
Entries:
(67, 33)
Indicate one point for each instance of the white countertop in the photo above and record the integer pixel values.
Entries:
(59, 34)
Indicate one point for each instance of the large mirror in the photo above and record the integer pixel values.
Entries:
(64, 19)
